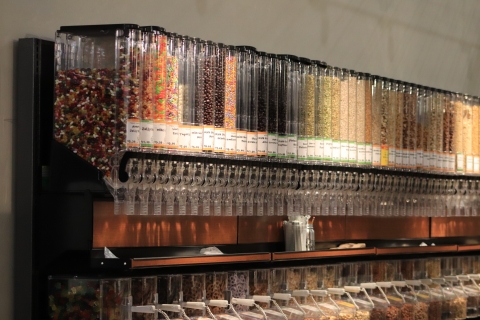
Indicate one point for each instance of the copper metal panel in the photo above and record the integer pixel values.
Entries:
(455, 227)
(322, 254)
(158, 262)
(111, 230)
(415, 250)
(387, 228)
(469, 247)
(260, 229)
(270, 229)
(329, 228)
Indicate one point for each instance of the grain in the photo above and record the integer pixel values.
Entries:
(368, 111)
(352, 108)
(360, 112)
(344, 110)
(310, 105)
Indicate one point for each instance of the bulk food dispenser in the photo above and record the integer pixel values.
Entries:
(98, 88)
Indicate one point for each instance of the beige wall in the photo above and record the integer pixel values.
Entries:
(431, 42)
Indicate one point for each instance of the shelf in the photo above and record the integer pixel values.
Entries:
(197, 260)
(277, 256)
(469, 247)
(416, 250)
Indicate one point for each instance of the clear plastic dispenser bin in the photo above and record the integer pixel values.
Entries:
(193, 290)
(259, 284)
(393, 297)
(76, 298)
(144, 298)
(342, 301)
(215, 289)
(169, 293)
(97, 109)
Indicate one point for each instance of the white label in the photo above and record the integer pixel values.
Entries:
(251, 143)
(469, 163)
(399, 158)
(406, 158)
(292, 146)
(282, 146)
(368, 154)
(171, 136)
(327, 149)
(196, 138)
(219, 144)
(446, 162)
(183, 138)
(439, 164)
(361, 153)
(230, 142)
(376, 155)
(476, 164)
(344, 151)
(133, 133)
(262, 144)
(419, 158)
(272, 144)
(241, 142)
(208, 138)
(412, 161)
(335, 151)
(302, 148)
(459, 161)
(146, 134)
(391, 156)
(159, 134)
(352, 152)
(311, 149)
(319, 150)
(451, 162)
(433, 160)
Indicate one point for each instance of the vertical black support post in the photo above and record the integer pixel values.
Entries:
(32, 128)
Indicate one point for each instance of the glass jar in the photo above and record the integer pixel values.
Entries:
(352, 117)
(218, 61)
(319, 115)
(159, 90)
(186, 91)
(392, 125)
(293, 106)
(246, 101)
(458, 133)
(420, 107)
(273, 100)
(376, 120)
(306, 105)
(343, 115)
(335, 74)
(230, 112)
(262, 101)
(150, 63)
(475, 135)
(284, 69)
(399, 124)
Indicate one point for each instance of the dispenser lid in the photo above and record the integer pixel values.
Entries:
(98, 29)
